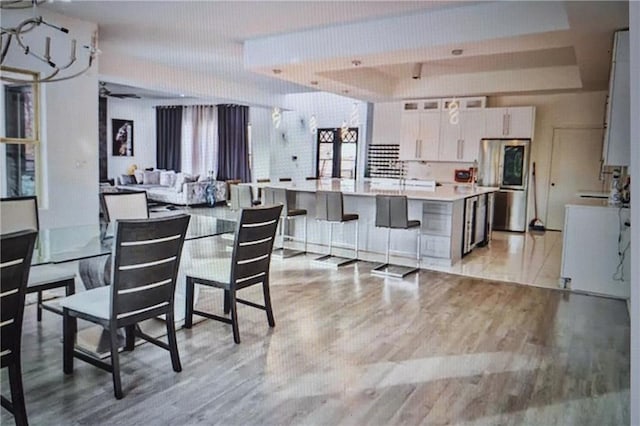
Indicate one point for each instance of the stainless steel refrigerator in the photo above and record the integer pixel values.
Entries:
(504, 163)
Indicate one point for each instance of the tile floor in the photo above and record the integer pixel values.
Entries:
(524, 258)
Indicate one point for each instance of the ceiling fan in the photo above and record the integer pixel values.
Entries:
(104, 92)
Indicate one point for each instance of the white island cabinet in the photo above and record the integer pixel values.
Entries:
(595, 252)
(440, 210)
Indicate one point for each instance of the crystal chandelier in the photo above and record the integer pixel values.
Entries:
(13, 38)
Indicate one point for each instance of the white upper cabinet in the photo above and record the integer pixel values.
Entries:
(386, 126)
(512, 122)
(617, 146)
(460, 138)
(420, 132)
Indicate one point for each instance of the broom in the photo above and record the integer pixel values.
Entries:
(535, 224)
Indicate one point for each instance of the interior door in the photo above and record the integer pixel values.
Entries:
(575, 166)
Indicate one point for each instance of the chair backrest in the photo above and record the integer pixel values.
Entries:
(231, 182)
(124, 205)
(391, 211)
(18, 214)
(244, 196)
(146, 255)
(275, 196)
(329, 206)
(16, 249)
(253, 245)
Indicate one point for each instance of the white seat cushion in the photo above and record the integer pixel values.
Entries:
(46, 274)
(95, 302)
(218, 269)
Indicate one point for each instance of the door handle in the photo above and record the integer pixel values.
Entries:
(459, 149)
(508, 124)
(416, 150)
(504, 124)
(553, 184)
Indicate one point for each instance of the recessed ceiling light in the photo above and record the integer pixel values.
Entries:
(277, 71)
(356, 62)
(182, 95)
(456, 52)
(314, 82)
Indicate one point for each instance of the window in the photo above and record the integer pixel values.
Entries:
(337, 151)
(20, 136)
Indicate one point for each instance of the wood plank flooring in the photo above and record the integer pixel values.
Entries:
(351, 348)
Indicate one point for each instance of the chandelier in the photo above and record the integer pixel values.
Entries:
(58, 69)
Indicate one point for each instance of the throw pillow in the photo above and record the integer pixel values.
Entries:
(167, 178)
(178, 182)
(152, 178)
(139, 174)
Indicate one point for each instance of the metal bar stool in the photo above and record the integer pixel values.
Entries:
(391, 213)
(274, 196)
(330, 208)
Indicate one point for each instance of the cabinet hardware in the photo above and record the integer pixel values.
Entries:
(504, 124)
(508, 124)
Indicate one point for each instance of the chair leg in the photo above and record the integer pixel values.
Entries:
(227, 305)
(17, 394)
(188, 311)
(234, 316)
(39, 306)
(267, 302)
(69, 329)
(130, 337)
(115, 362)
(173, 342)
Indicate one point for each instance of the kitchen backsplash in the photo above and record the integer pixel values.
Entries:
(438, 171)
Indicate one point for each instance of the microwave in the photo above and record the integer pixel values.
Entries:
(463, 175)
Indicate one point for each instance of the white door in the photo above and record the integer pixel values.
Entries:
(449, 137)
(575, 166)
(495, 123)
(473, 130)
(410, 133)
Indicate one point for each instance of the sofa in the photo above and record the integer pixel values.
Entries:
(167, 186)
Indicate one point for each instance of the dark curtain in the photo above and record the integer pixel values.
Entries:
(168, 137)
(233, 145)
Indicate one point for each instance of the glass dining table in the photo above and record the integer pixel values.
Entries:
(73, 243)
(90, 245)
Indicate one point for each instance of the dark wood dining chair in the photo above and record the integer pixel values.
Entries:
(248, 266)
(146, 258)
(21, 213)
(16, 250)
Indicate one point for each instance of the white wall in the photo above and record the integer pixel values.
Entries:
(570, 110)
(293, 138)
(69, 118)
(260, 119)
(144, 134)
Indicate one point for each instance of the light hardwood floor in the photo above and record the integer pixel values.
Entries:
(352, 348)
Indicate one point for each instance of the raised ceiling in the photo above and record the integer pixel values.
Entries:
(508, 47)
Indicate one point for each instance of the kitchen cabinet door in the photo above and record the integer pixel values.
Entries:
(461, 141)
(520, 122)
(409, 136)
(512, 122)
(473, 130)
(429, 140)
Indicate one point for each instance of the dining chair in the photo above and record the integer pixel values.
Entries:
(146, 255)
(124, 205)
(16, 249)
(248, 266)
(330, 208)
(21, 213)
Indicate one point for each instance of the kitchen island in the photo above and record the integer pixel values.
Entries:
(454, 219)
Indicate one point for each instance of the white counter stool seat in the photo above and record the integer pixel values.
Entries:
(392, 213)
(330, 208)
(275, 196)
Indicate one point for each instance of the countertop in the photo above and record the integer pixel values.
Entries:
(594, 202)
(446, 192)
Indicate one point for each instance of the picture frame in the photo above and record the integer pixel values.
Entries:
(122, 137)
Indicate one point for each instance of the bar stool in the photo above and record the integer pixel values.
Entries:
(391, 213)
(330, 208)
(274, 196)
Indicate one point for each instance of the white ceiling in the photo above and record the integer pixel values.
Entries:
(242, 42)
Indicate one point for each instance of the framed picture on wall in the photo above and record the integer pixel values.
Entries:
(122, 134)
